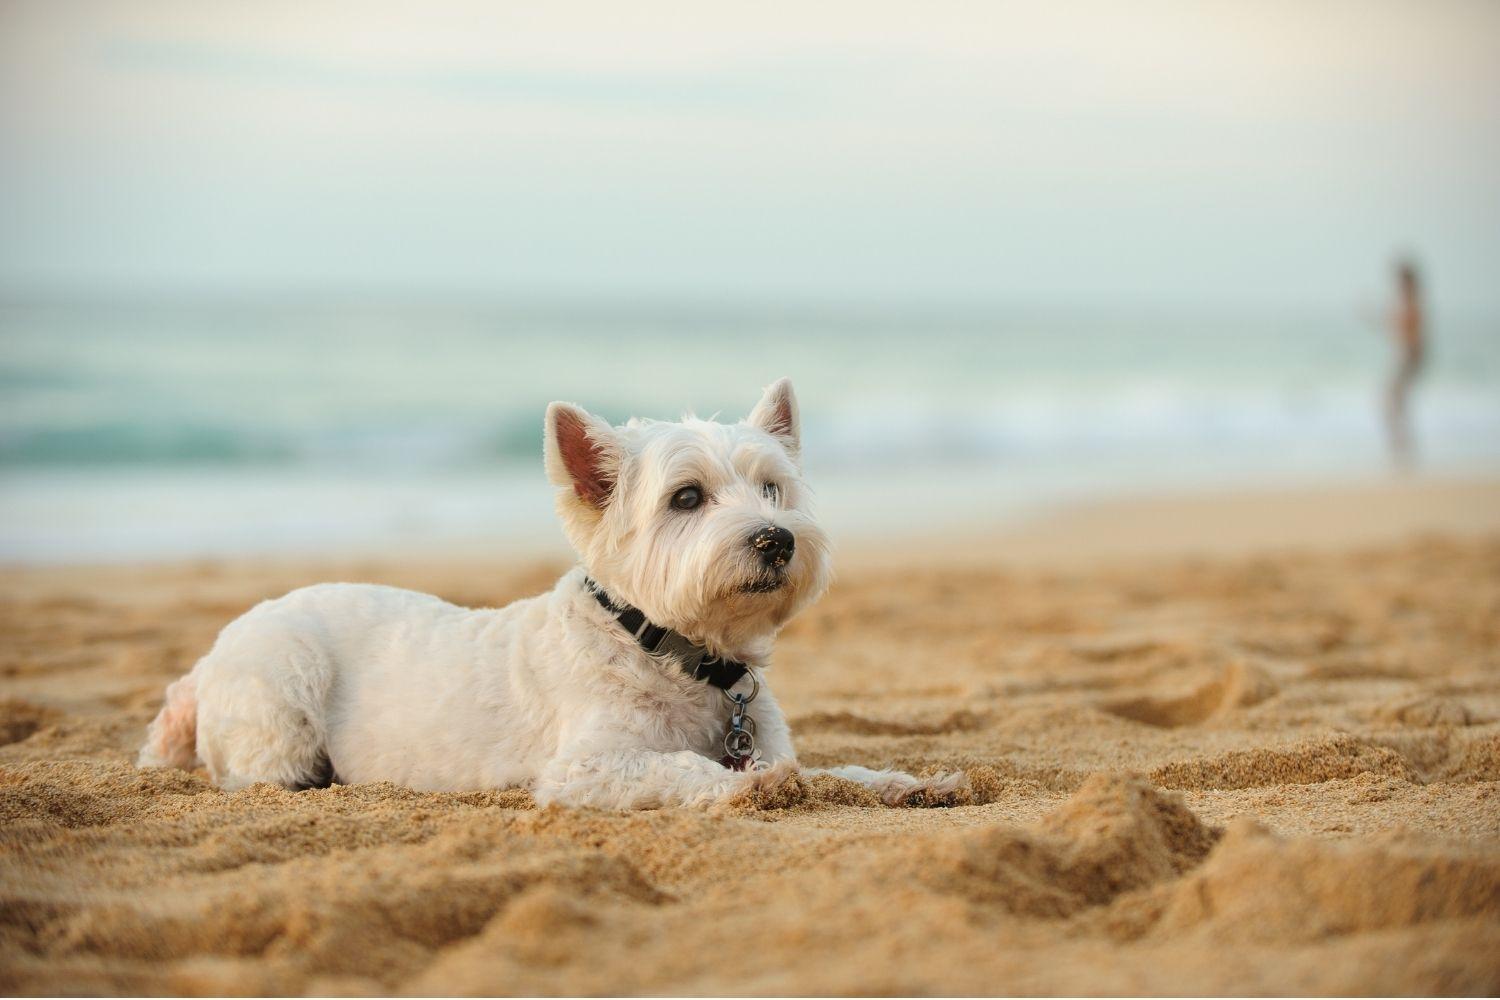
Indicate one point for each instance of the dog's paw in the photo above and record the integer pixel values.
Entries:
(949, 788)
(779, 786)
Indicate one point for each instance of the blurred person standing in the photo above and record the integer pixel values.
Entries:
(1408, 328)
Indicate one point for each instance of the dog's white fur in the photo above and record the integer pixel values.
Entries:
(550, 693)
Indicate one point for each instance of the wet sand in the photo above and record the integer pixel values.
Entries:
(1195, 767)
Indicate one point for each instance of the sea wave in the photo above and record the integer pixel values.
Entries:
(846, 434)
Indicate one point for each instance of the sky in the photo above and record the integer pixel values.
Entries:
(1274, 153)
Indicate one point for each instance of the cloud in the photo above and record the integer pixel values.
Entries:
(758, 87)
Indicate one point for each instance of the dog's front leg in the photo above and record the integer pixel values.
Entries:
(648, 779)
(773, 737)
(895, 788)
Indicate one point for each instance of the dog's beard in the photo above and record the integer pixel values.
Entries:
(768, 582)
(763, 597)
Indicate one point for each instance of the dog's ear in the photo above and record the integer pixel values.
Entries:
(581, 451)
(776, 414)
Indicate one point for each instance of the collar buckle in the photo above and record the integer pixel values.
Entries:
(676, 646)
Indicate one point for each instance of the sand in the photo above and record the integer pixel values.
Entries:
(1271, 770)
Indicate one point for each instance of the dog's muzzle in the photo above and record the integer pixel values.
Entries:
(774, 547)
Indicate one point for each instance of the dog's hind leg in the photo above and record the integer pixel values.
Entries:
(275, 743)
(897, 788)
(262, 718)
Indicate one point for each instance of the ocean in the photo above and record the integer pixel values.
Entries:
(182, 430)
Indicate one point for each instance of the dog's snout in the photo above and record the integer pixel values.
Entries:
(774, 544)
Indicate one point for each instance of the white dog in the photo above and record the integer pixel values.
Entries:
(638, 681)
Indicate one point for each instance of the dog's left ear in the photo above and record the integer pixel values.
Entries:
(776, 414)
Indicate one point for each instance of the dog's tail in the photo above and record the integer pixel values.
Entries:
(172, 739)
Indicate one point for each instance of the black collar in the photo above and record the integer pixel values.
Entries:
(695, 661)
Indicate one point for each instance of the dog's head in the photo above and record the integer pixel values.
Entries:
(706, 527)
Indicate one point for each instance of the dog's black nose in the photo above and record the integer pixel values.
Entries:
(775, 545)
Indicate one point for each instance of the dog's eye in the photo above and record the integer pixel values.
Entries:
(687, 498)
(770, 491)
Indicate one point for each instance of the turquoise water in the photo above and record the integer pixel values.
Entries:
(135, 430)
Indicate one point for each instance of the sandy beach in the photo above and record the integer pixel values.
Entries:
(1215, 745)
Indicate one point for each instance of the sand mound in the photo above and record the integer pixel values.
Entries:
(1426, 712)
(20, 719)
(1479, 760)
(847, 722)
(1259, 887)
(1239, 685)
(378, 915)
(1113, 835)
(1303, 763)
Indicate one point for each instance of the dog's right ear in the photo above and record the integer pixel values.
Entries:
(776, 414)
(582, 452)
